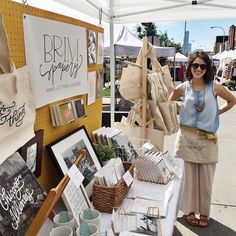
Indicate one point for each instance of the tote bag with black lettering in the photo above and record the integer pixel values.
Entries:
(17, 109)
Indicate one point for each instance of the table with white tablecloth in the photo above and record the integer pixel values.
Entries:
(175, 186)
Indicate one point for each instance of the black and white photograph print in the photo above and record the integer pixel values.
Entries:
(65, 151)
(31, 152)
(86, 166)
(92, 39)
(125, 149)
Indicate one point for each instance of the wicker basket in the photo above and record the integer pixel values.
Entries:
(106, 198)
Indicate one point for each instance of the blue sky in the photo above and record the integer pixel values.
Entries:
(200, 34)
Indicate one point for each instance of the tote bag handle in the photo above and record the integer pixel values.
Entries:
(6, 63)
(156, 67)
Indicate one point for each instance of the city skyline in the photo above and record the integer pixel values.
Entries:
(201, 36)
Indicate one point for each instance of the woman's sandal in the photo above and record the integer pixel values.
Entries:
(192, 220)
(203, 221)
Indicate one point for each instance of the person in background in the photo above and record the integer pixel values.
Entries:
(196, 141)
(232, 83)
(214, 70)
(181, 72)
(226, 72)
(233, 72)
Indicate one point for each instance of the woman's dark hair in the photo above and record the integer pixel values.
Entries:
(209, 75)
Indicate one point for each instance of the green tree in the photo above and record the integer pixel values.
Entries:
(146, 29)
(165, 41)
(150, 29)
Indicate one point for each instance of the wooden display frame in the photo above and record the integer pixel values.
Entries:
(50, 201)
(12, 13)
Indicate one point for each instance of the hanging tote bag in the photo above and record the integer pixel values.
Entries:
(167, 79)
(17, 109)
(131, 78)
(160, 94)
(168, 111)
(158, 89)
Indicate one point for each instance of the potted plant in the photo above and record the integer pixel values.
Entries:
(105, 152)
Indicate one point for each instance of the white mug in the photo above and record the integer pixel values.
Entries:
(62, 231)
(70, 223)
(93, 230)
(96, 218)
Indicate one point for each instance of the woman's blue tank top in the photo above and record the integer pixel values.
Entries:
(208, 119)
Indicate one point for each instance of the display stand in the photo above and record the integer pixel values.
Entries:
(50, 201)
(144, 89)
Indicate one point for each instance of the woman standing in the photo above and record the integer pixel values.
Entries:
(196, 141)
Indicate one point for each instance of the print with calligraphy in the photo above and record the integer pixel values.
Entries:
(21, 196)
(56, 54)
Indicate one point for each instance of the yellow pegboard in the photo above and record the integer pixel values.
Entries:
(13, 20)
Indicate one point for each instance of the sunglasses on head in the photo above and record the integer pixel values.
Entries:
(196, 65)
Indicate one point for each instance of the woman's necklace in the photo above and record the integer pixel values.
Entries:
(200, 107)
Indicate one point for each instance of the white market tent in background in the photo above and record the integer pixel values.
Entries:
(127, 44)
(178, 58)
(225, 57)
(137, 11)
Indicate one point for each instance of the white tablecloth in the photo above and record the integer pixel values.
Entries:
(176, 186)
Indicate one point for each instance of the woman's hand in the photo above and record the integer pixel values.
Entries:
(226, 95)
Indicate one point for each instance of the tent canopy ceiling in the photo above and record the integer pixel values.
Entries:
(136, 11)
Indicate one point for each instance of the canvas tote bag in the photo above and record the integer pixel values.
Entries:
(168, 111)
(158, 89)
(131, 79)
(165, 76)
(17, 109)
(160, 95)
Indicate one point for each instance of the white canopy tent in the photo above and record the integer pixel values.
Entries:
(129, 45)
(178, 58)
(137, 11)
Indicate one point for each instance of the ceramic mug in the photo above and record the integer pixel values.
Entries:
(62, 231)
(71, 223)
(95, 218)
(93, 230)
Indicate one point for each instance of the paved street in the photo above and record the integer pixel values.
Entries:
(223, 206)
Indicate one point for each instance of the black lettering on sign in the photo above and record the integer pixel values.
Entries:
(60, 58)
(12, 115)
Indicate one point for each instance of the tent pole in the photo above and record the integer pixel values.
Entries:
(112, 64)
(174, 71)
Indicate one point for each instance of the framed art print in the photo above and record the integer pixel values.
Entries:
(65, 151)
(92, 42)
(31, 152)
(76, 199)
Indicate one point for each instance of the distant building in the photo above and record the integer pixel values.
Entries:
(232, 37)
(221, 43)
(187, 47)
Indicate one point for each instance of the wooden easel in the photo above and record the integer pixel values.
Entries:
(50, 201)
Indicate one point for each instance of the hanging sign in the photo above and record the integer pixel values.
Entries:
(56, 54)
